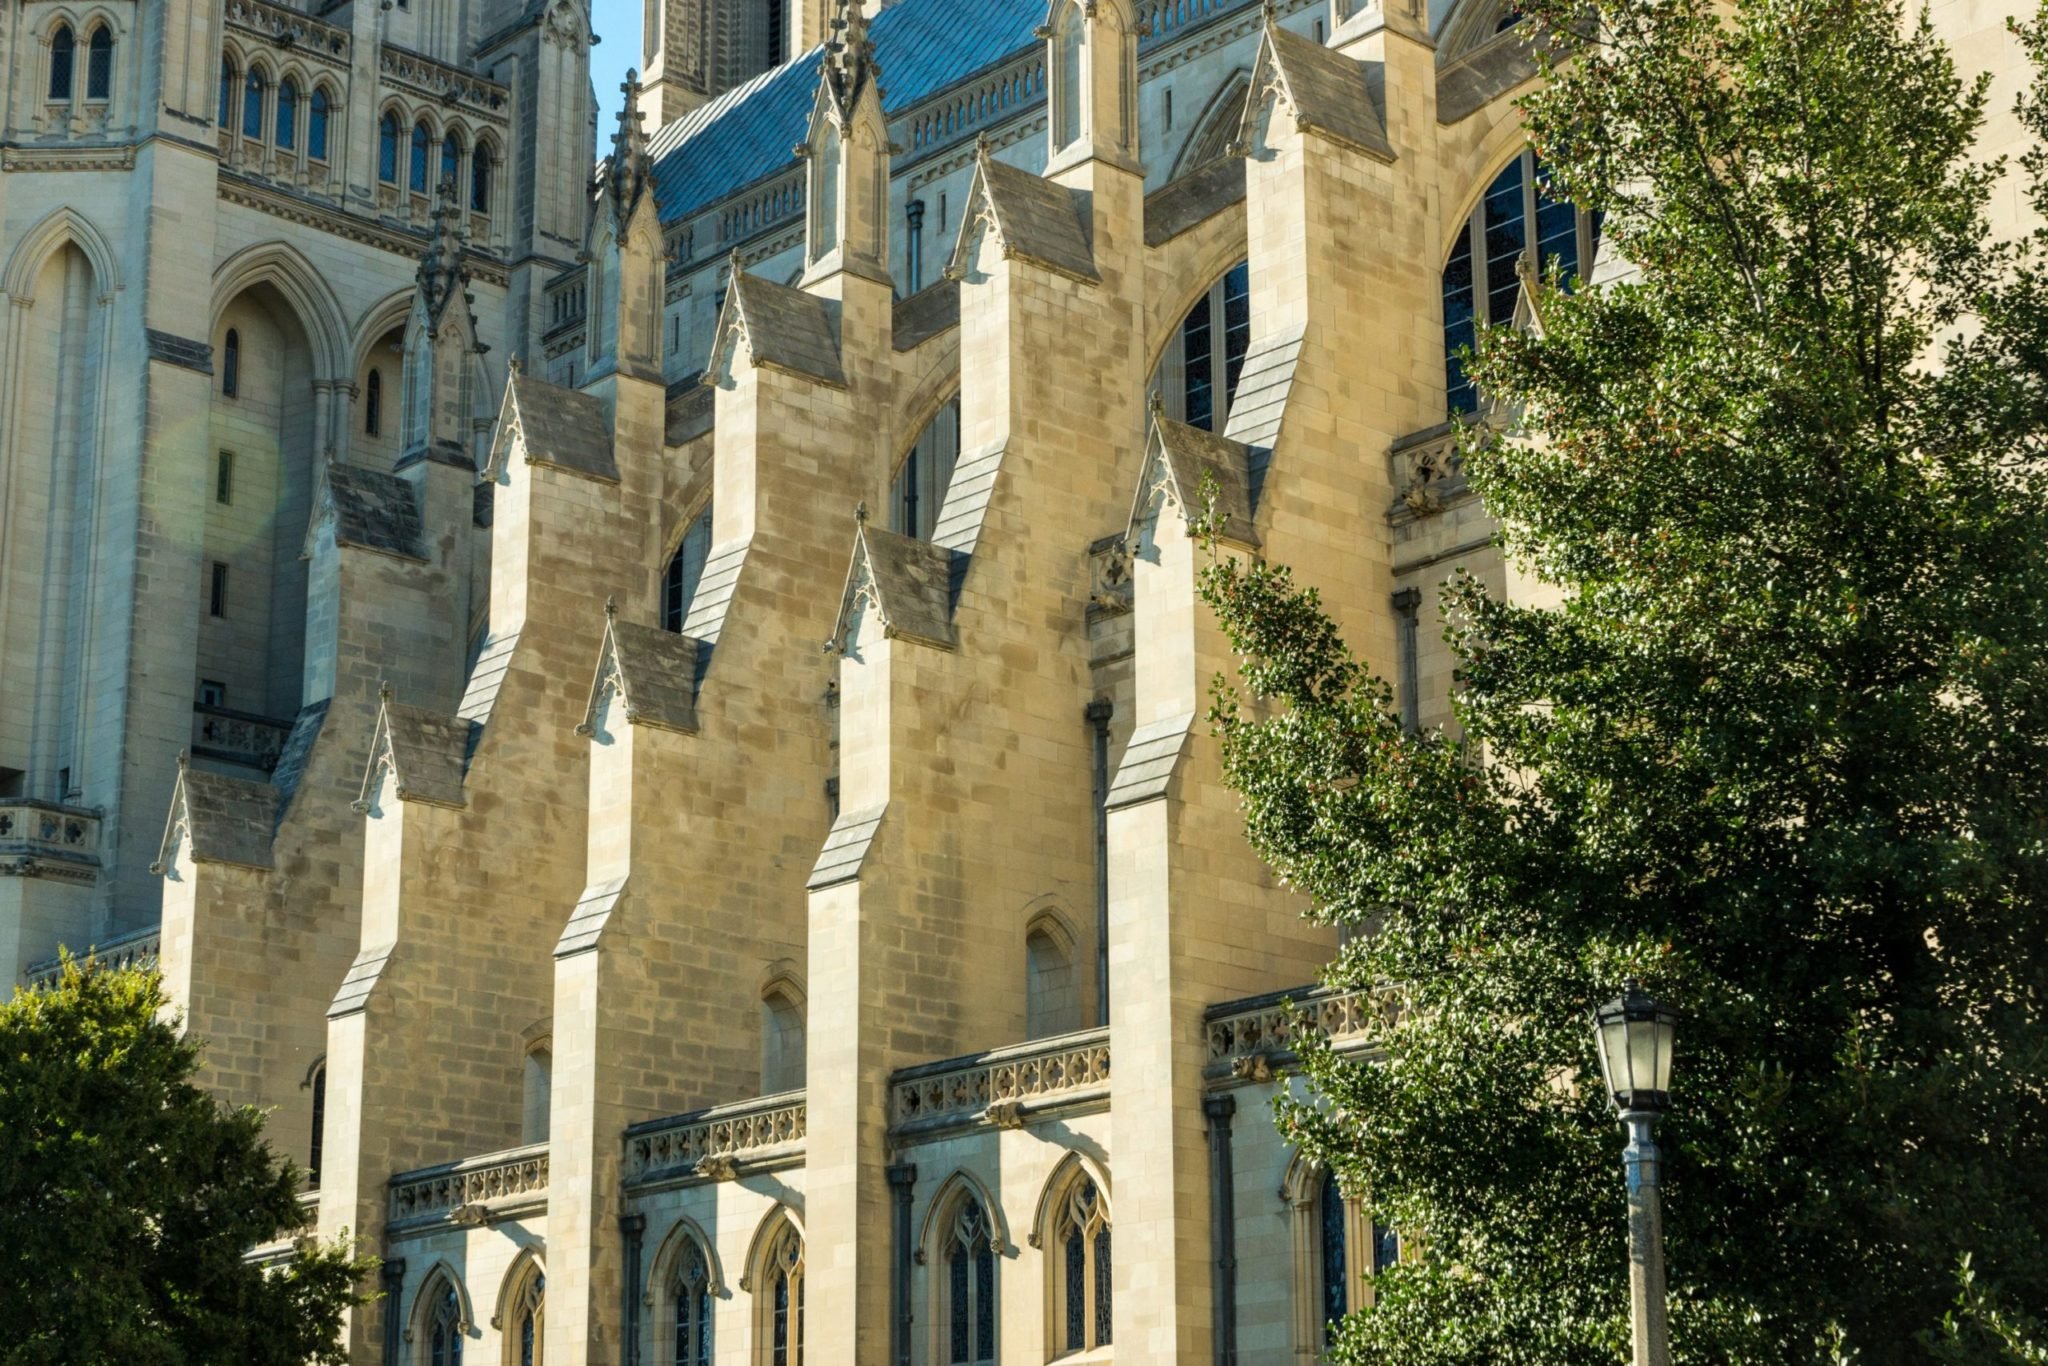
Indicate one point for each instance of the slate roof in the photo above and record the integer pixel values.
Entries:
(224, 820)
(785, 327)
(922, 46)
(1150, 758)
(1036, 218)
(919, 317)
(372, 509)
(912, 582)
(1194, 457)
(1193, 199)
(565, 428)
(1328, 92)
(655, 672)
(426, 750)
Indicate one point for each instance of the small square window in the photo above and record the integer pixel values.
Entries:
(217, 602)
(212, 693)
(224, 478)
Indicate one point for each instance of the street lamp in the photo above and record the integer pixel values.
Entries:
(1635, 1035)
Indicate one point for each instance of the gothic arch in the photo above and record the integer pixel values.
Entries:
(282, 266)
(528, 1261)
(1064, 1173)
(1215, 128)
(377, 320)
(439, 1272)
(764, 1235)
(661, 1268)
(1504, 142)
(1214, 261)
(59, 226)
(932, 391)
(962, 1182)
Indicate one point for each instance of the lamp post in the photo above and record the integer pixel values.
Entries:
(1635, 1035)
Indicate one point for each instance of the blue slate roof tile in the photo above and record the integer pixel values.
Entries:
(923, 46)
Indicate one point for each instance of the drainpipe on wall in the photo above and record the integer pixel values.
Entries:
(1222, 1229)
(902, 1176)
(1098, 713)
(1408, 602)
(631, 1228)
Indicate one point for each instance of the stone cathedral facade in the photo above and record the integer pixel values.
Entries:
(653, 718)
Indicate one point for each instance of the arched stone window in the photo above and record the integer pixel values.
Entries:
(1197, 377)
(480, 178)
(782, 1039)
(227, 90)
(777, 1283)
(99, 64)
(689, 1294)
(441, 1325)
(1336, 1280)
(685, 570)
(526, 1327)
(288, 114)
(387, 148)
(319, 1136)
(1052, 988)
(538, 1091)
(451, 160)
(63, 62)
(316, 124)
(373, 404)
(416, 171)
(252, 104)
(231, 364)
(1068, 33)
(1517, 219)
(966, 1285)
(1077, 1258)
(919, 492)
(1338, 1251)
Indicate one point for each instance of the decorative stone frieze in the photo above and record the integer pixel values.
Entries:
(1005, 1087)
(1252, 1040)
(474, 1190)
(717, 1144)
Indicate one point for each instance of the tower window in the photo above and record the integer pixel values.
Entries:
(373, 404)
(227, 90)
(387, 148)
(217, 595)
(231, 364)
(99, 64)
(451, 162)
(288, 114)
(416, 177)
(63, 57)
(252, 105)
(685, 570)
(480, 179)
(224, 478)
(319, 1126)
(778, 32)
(212, 693)
(316, 127)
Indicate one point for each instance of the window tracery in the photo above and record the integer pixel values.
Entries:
(691, 1294)
(99, 64)
(63, 61)
(387, 148)
(288, 114)
(780, 1283)
(1080, 1257)
(968, 1287)
(443, 1327)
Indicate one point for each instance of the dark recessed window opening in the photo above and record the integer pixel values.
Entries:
(217, 601)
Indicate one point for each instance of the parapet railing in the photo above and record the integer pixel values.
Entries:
(1004, 1086)
(716, 1144)
(473, 1190)
(137, 948)
(1252, 1039)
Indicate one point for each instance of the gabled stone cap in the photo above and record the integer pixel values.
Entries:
(910, 582)
(846, 847)
(1033, 218)
(1327, 92)
(426, 752)
(782, 328)
(561, 427)
(653, 671)
(1183, 459)
(220, 819)
(1150, 758)
(371, 509)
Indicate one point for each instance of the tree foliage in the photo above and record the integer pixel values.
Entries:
(128, 1197)
(1780, 749)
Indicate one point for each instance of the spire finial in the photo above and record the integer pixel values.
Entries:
(1158, 402)
(860, 512)
(384, 690)
(611, 607)
(184, 760)
(632, 167)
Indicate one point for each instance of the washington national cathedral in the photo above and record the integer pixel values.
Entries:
(636, 659)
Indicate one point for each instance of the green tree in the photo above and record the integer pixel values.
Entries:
(1781, 752)
(128, 1197)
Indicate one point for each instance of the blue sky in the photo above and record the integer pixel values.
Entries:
(618, 23)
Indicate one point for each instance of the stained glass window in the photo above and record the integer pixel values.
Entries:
(1082, 1236)
(252, 104)
(532, 1333)
(1386, 1247)
(693, 1308)
(387, 148)
(785, 1270)
(288, 114)
(227, 90)
(1069, 31)
(99, 64)
(970, 1288)
(416, 177)
(1336, 1297)
(1208, 387)
(63, 57)
(480, 179)
(444, 1327)
(316, 127)
(451, 162)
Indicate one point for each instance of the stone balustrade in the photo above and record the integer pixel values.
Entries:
(236, 737)
(1003, 1087)
(718, 1143)
(439, 81)
(291, 29)
(136, 949)
(475, 1190)
(1252, 1039)
(35, 829)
